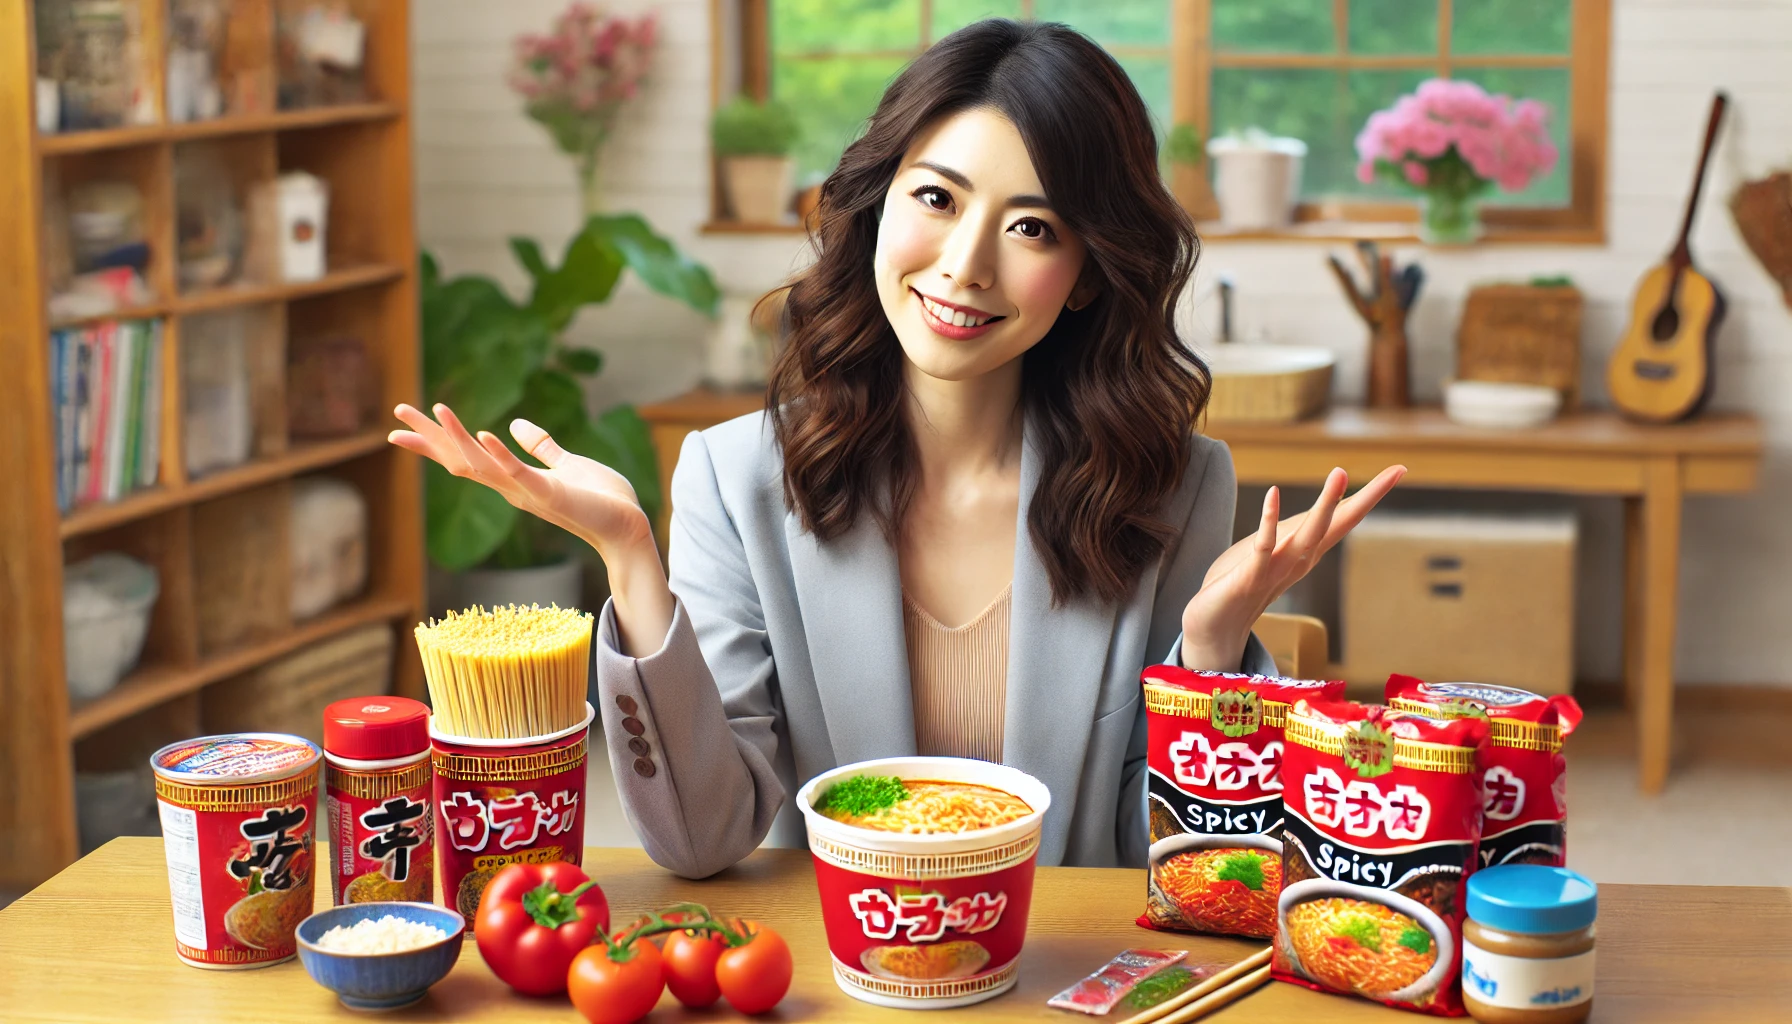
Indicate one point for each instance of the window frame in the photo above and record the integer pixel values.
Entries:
(741, 53)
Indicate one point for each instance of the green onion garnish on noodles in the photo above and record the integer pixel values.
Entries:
(862, 795)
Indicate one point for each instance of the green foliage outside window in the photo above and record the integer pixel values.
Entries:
(831, 60)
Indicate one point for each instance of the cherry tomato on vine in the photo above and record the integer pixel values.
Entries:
(611, 991)
(755, 975)
(690, 962)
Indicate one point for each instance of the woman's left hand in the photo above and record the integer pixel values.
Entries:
(1252, 573)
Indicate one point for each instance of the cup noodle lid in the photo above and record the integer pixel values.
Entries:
(376, 728)
(235, 758)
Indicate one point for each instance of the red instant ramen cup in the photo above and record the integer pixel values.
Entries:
(239, 817)
(926, 921)
(503, 802)
(377, 791)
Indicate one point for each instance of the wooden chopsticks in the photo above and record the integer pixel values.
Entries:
(1240, 979)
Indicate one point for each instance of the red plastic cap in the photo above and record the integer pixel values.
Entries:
(376, 728)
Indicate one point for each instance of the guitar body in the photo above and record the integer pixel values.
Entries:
(1661, 370)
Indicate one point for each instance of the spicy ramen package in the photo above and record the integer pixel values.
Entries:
(1383, 813)
(1524, 791)
(1214, 792)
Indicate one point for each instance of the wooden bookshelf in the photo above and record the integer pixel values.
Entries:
(363, 152)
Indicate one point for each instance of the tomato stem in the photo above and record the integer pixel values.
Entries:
(550, 908)
(692, 917)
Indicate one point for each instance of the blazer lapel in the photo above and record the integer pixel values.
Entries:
(1057, 659)
(850, 595)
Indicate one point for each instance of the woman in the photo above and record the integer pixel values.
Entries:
(974, 509)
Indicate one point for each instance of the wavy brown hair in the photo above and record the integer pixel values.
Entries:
(1111, 390)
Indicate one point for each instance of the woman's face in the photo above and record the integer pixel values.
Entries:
(972, 265)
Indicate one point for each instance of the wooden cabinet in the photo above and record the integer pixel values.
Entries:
(216, 539)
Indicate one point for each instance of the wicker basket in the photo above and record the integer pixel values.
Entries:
(1268, 384)
(290, 694)
(1522, 334)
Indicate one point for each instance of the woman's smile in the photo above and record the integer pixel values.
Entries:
(960, 323)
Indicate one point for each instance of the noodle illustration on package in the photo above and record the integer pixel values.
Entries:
(1382, 818)
(1214, 791)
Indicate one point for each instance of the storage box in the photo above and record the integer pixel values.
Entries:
(290, 694)
(1467, 598)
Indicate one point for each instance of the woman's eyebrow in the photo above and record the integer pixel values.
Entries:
(1026, 199)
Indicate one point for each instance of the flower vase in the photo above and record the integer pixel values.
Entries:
(1449, 218)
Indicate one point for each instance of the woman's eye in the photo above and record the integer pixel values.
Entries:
(1034, 229)
(933, 197)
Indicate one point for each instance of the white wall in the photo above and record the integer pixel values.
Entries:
(486, 172)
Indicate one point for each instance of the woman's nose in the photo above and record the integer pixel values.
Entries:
(968, 257)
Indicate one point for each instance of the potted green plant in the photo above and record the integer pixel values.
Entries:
(1188, 171)
(752, 143)
(493, 359)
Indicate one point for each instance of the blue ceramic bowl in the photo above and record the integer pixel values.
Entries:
(380, 981)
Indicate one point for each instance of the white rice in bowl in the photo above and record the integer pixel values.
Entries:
(387, 934)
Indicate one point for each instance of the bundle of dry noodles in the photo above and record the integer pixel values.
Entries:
(507, 673)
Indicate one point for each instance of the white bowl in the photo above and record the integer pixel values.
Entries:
(1500, 406)
(1320, 888)
(106, 603)
(1237, 359)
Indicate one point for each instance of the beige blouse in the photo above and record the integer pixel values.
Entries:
(959, 680)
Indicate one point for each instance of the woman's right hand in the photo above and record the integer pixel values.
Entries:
(582, 496)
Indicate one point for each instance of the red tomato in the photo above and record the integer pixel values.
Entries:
(690, 959)
(610, 992)
(756, 975)
(531, 924)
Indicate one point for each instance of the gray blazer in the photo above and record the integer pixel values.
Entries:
(786, 658)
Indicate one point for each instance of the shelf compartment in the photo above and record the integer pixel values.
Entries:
(298, 459)
(155, 684)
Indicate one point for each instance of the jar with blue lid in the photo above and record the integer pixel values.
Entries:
(1527, 946)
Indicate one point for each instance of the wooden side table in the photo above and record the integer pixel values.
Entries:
(1652, 468)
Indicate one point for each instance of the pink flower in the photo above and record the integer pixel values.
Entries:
(1365, 172)
(1416, 174)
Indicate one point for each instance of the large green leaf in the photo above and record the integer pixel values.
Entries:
(466, 520)
(458, 321)
(660, 265)
(501, 349)
(554, 402)
(587, 275)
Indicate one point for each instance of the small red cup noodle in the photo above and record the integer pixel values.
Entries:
(927, 920)
(1524, 795)
(1214, 797)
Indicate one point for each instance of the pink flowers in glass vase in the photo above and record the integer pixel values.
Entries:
(1451, 140)
(574, 79)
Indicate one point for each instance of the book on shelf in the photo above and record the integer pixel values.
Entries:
(106, 385)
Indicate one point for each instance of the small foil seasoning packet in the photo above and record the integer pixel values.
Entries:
(1102, 991)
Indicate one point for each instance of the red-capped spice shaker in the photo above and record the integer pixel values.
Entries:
(378, 788)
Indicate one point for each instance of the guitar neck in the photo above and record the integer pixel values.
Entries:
(1682, 254)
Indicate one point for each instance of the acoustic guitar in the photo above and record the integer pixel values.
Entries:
(1661, 371)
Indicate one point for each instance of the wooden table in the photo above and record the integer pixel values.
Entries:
(1652, 468)
(95, 944)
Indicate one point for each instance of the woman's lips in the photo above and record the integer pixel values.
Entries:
(953, 331)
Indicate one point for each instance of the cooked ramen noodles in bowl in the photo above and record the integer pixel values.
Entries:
(919, 806)
(1359, 946)
(925, 870)
(1228, 890)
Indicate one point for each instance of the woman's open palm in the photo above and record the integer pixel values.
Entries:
(582, 496)
(1249, 575)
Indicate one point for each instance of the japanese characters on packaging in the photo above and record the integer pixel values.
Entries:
(238, 817)
(1382, 818)
(1524, 801)
(378, 781)
(1214, 796)
(501, 802)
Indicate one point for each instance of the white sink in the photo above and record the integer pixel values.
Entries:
(1264, 383)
